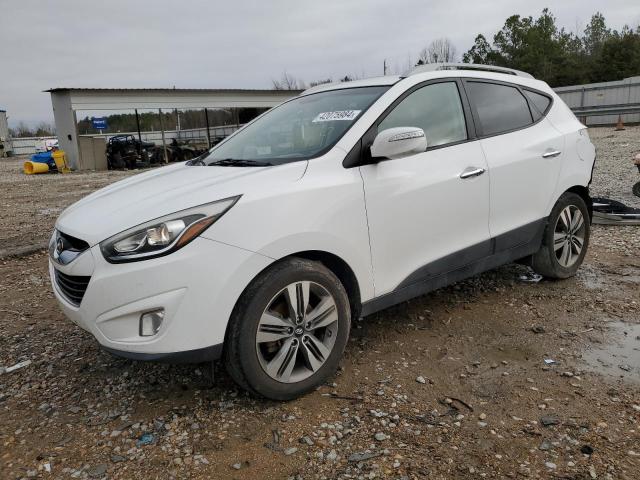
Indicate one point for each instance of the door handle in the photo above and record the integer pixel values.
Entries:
(551, 153)
(470, 172)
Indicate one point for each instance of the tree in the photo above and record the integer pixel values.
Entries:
(550, 53)
(320, 82)
(595, 34)
(44, 129)
(481, 52)
(21, 130)
(438, 51)
(287, 82)
(619, 56)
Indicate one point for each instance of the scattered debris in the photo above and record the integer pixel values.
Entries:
(17, 366)
(146, 439)
(586, 449)
(530, 277)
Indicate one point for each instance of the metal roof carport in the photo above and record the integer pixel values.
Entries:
(66, 101)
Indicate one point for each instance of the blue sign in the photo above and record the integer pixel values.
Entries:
(99, 123)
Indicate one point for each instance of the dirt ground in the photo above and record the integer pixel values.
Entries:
(493, 377)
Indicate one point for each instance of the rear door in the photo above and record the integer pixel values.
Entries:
(523, 151)
(424, 219)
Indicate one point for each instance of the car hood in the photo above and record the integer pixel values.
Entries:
(163, 191)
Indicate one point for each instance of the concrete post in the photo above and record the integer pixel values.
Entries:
(66, 128)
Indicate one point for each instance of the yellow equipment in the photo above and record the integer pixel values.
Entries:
(31, 168)
(61, 161)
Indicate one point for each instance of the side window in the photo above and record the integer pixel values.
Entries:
(501, 108)
(539, 103)
(436, 109)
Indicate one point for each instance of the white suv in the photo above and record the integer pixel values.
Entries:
(340, 202)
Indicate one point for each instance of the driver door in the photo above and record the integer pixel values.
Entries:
(426, 216)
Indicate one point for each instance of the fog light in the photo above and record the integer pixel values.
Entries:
(150, 322)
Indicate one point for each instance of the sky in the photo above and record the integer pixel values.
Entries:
(239, 43)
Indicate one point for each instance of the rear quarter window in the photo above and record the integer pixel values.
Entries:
(539, 104)
(500, 108)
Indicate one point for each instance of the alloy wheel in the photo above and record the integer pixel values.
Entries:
(297, 332)
(569, 235)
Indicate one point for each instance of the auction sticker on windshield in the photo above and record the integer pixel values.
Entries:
(338, 115)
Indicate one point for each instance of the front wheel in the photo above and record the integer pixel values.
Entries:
(288, 330)
(565, 240)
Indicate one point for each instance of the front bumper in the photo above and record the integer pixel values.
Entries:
(214, 352)
(197, 287)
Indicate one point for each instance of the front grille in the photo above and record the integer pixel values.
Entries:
(72, 287)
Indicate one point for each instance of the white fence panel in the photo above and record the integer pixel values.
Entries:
(27, 145)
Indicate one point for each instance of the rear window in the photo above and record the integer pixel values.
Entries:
(539, 103)
(500, 108)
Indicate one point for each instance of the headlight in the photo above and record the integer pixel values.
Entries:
(165, 234)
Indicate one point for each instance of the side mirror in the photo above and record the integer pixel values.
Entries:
(398, 142)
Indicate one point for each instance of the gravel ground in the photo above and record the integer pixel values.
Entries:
(31, 203)
(492, 377)
(614, 173)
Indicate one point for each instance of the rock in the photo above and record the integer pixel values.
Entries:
(545, 445)
(538, 329)
(550, 465)
(236, 466)
(361, 457)
(332, 456)
(482, 416)
(290, 451)
(307, 440)
(549, 420)
(177, 461)
(97, 471)
(379, 436)
(117, 458)
(421, 379)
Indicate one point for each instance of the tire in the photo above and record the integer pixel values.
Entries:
(117, 162)
(265, 334)
(563, 259)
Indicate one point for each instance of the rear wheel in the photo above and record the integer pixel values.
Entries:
(566, 238)
(289, 330)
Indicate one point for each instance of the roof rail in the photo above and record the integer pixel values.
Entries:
(432, 67)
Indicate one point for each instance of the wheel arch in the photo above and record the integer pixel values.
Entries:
(583, 192)
(339, 267)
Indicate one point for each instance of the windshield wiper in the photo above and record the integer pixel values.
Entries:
(237, 162)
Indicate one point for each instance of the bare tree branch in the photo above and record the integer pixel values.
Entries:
(438, 51)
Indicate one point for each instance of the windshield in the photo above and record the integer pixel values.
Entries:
(300, 129)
